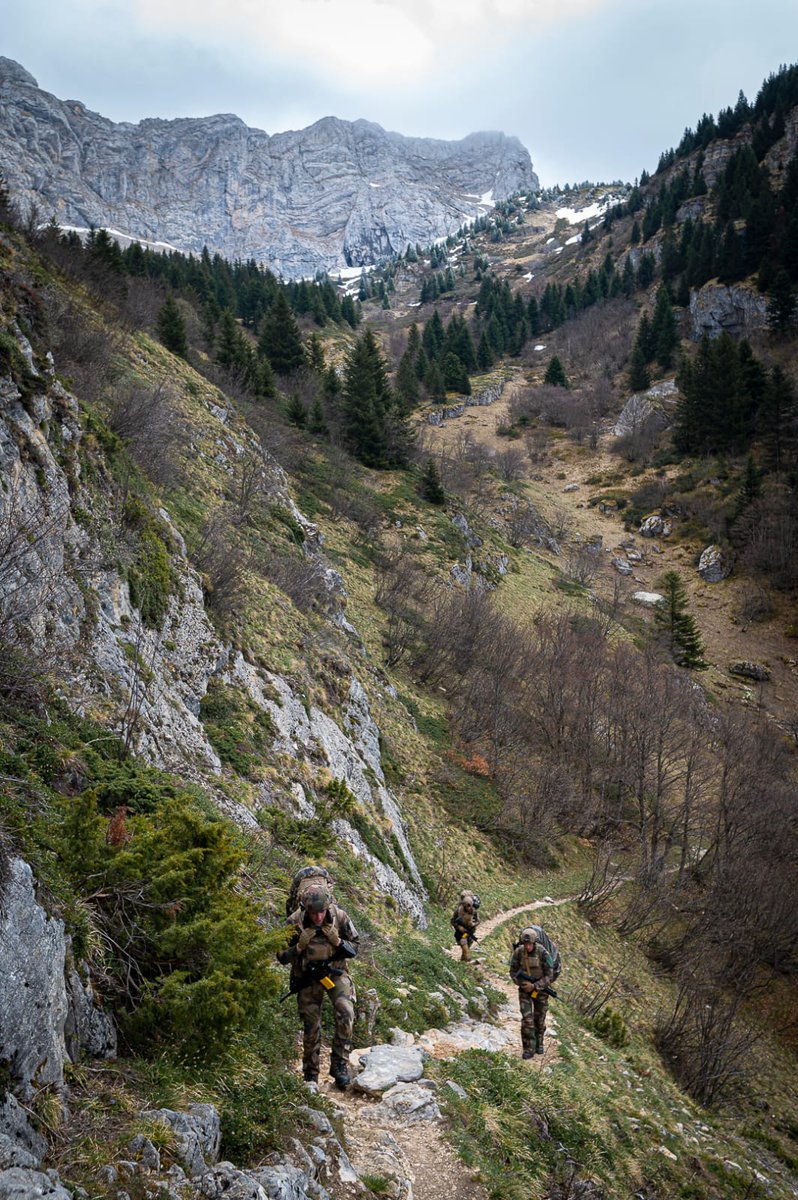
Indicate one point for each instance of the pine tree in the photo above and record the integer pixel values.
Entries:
(171, 328)
(751, 487)
(782, 303)
(430, 486)
(434, 382)
(663, 329)
(317, 423)
(675, 627)
(639, 379)
(280, 340)
(295, 411)
(555, 374)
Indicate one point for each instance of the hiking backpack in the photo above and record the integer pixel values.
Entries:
(303, 881)
(549, 946)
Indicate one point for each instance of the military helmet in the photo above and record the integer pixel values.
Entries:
(315, 899)
(528, 935)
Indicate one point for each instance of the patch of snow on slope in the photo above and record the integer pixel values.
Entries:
(571, 215)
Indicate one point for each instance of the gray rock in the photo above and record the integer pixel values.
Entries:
(712, 566)
(88, 1030)
(649, 410)
(750, 670)
(647, 599)
(145, 1152)
(622, 566)
(737, 309)
(227, 1181)
(406, 1104)
(314, 1119)
(571, 487)
(33, 1003)
(283, 1182)
(461, 1093)
(400, 1038)
(20, 1144)
(18, 1183)
(655, 526)
(334, 195)
(197, 1134)
(385, 1066)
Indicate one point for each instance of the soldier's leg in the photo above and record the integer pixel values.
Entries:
(309, 1002)
(343, 1001)
(464, 947)
(527, 1024)
(541, 1008)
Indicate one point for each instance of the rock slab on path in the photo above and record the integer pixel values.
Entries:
(385, 1066)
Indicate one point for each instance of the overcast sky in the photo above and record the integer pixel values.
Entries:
(595, 89)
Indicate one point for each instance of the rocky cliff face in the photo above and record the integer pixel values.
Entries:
(334, 195)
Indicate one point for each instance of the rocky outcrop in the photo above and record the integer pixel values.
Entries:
(736, 309)
(713, 566)
(750, 670)
(334, 195)
(651, 410)
(655, 525)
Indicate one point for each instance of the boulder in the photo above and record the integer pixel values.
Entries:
(18, 1183)
(405, 1103)
(197, 1134)
(385, 1066)
(713, 566)
(20, 1144)
(88, 1030)
(647, 599)
(33, 1000)
(655, 526)
(750, 670)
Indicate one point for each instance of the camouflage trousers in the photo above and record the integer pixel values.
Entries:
(533, 1019)
(309, 1002)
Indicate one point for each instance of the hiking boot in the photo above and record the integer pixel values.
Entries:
(528, 1054)
(310, 1076)
(340, 1073)
(539, 1047)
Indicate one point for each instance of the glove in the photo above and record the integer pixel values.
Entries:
(346, 950)
(527, 987)
(305, 938)
(332, 935)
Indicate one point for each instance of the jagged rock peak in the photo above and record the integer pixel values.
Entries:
(339, 193)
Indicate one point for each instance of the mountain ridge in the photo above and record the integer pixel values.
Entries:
(336, 194)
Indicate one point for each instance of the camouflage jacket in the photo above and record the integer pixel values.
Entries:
(465, 917)
(321, 947)
(537, 964)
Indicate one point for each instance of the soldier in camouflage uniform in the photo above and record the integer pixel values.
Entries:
(321, 941)
(464, 922)
(531, 958)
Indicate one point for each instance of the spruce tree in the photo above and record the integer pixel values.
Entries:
(171, 327)
(280, 340)
(555, 374)
(430, 486)
(675, 628)
(317, 423)
(295, 411)
(639, 379)
(751, 487)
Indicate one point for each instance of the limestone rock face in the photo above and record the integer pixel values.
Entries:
(334, 195)
(717, 307)
(650, 410)
(33, 1002)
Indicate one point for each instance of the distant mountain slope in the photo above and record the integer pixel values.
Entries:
(336, 194)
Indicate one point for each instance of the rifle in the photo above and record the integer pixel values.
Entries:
(539, 991)
(318, 972)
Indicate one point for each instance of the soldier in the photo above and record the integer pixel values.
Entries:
(531, 970)
(464, 921)
(322, 939)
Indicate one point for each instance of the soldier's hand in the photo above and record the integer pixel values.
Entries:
(526, 986)
(305, 938)
(332, 935)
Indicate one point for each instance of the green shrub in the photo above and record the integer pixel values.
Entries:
(610, 1026)
(237, 728)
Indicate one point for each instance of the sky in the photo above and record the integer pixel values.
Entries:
(595, 89)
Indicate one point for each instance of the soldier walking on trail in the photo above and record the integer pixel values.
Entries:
(322, 940)
(531, 968)
(464, 923)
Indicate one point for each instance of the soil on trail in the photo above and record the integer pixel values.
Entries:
(418, 1151)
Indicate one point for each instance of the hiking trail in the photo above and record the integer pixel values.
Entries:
(400, 1136)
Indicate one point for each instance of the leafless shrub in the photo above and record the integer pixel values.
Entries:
(83, 348)
(582, 564)
(223, 563)
(149, 422)
(302, 577)
(562, 523)
(705, 1042)
(403, 591)
(591, 997)
(638, 443)
(510, 463)
(755, 604)
(525, 525)
(605, 877)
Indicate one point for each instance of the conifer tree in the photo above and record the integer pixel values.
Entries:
(434, 382)
(639, 379)
(280, 340)
(171, 328)
(675, 628)
(663, 329)
(317, 423)
(555, 374)
(782, 303)
(430, 486)
(295, 411)
(751, 487)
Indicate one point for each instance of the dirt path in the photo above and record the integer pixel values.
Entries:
(414, 1154)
